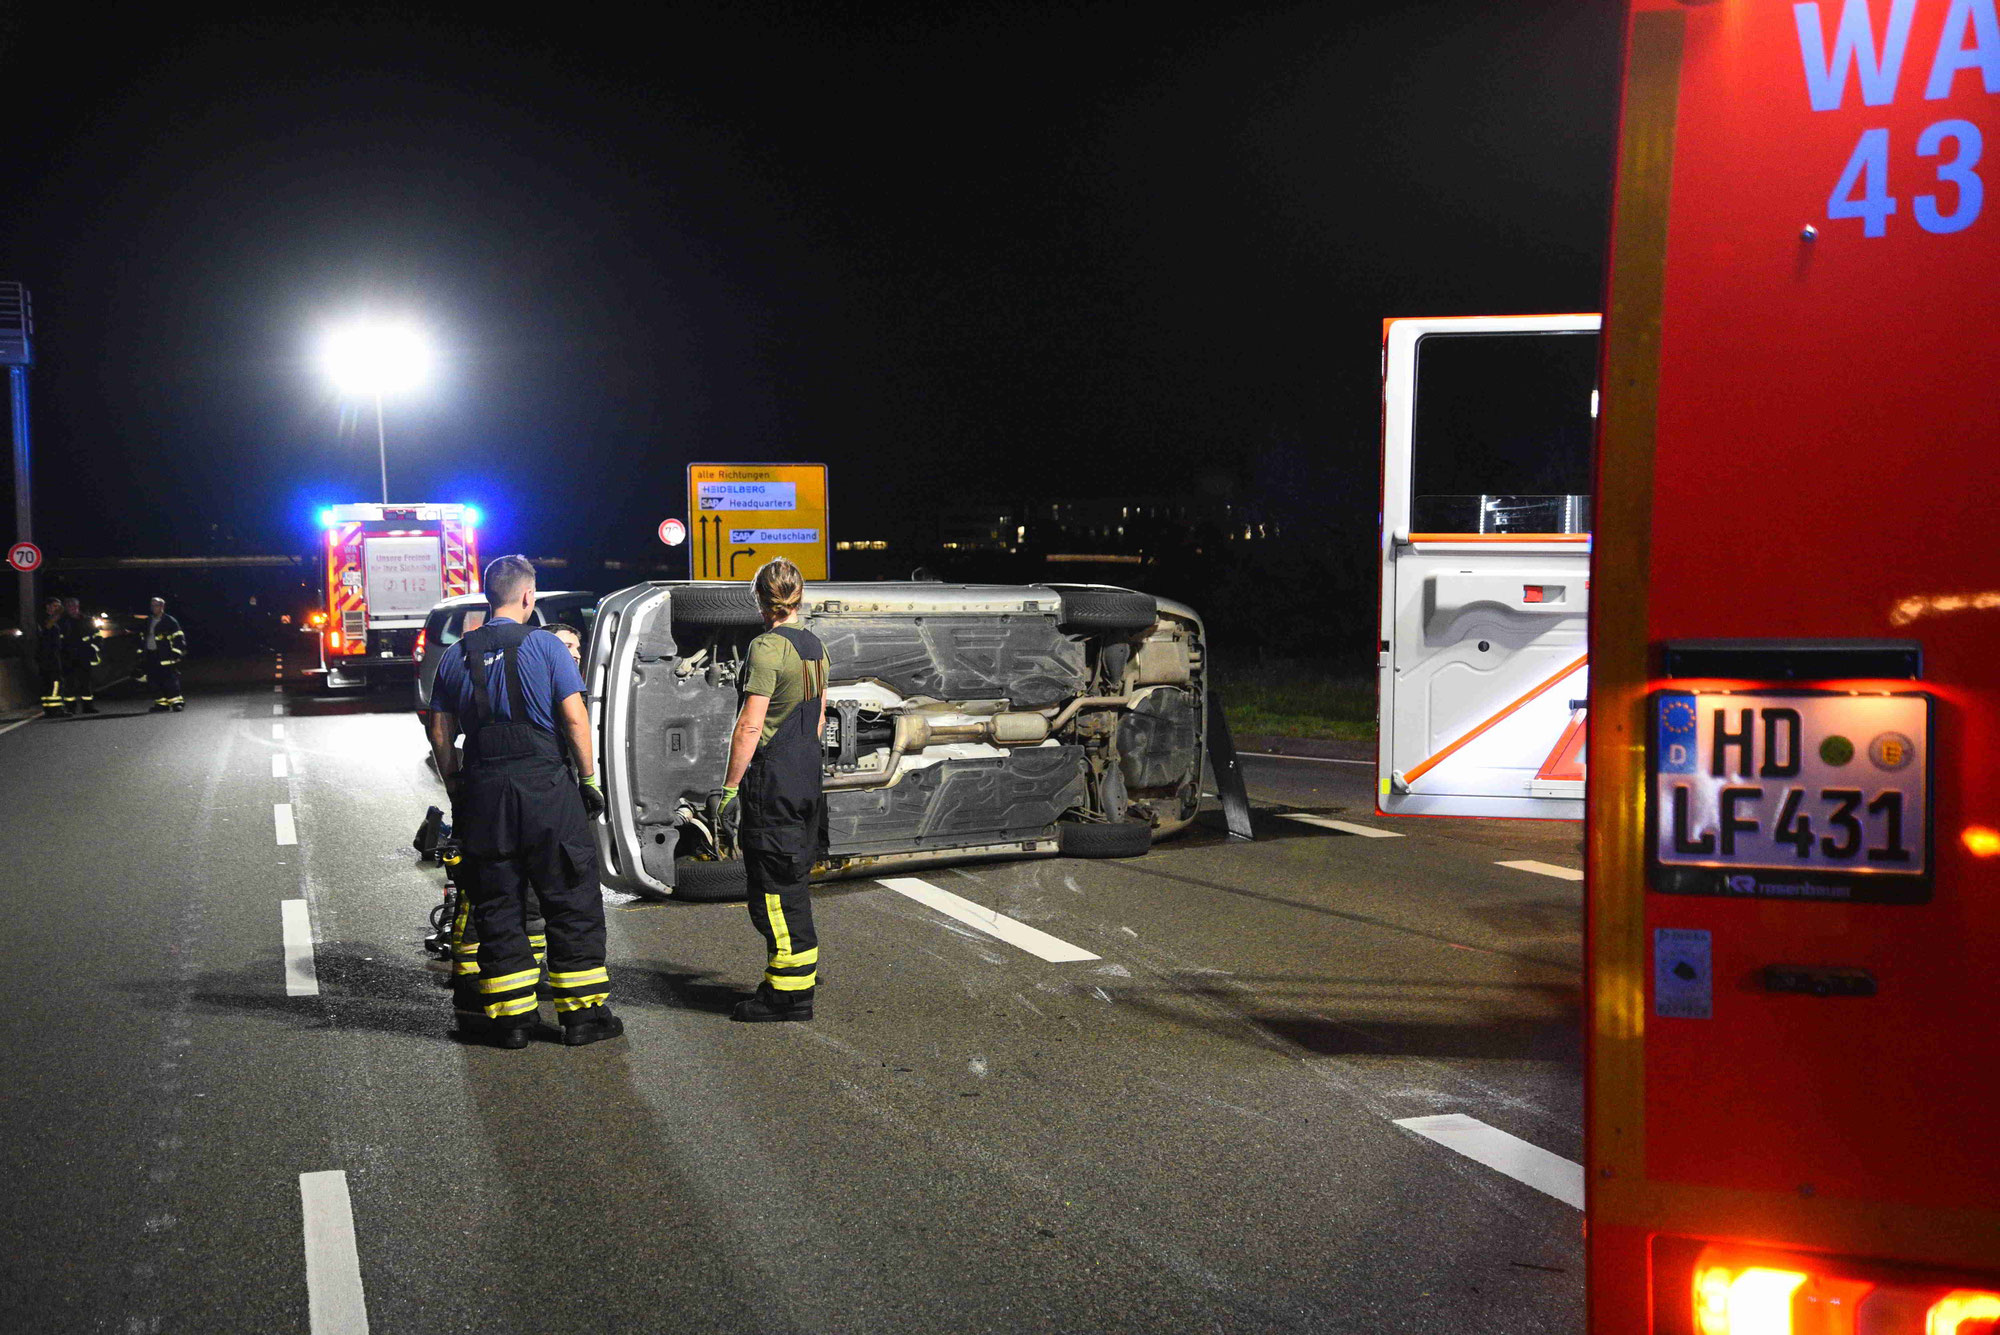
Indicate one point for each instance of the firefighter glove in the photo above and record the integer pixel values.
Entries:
(725, 813)
(593, 796)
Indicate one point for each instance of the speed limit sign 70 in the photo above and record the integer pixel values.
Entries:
(24, 557)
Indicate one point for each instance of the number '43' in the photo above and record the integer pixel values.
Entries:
(1863, 189)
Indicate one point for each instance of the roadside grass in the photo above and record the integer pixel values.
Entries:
(1297, 698)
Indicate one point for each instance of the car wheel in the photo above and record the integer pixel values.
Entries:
(732, 606)
(1108, 609)
(1115, 839)
(707, 882)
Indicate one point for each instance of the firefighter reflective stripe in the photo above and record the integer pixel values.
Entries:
(509, 994)
(781, 932)
(540, 945)
(580, 989)
(464, 945)
(788, 970)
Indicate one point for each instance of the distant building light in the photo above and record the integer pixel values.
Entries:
(1106, 559)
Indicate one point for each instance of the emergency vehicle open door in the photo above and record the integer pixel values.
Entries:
(1487, 426)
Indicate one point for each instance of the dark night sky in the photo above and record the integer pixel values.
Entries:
(963, 251)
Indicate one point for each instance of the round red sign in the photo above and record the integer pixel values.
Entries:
(673, 532)
(24, 557)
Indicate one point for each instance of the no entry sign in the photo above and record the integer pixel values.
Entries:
(24, 557)
(673, 532)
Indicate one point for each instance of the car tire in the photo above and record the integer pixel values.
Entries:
(710, 882)
(1114, 839)
(1108, 609)
(734, 605)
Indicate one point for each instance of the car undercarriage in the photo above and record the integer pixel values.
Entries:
(962, 722)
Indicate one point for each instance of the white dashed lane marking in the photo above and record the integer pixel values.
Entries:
(279, 767)
(301, 973)
(1544, 869)
(1545, 1172)
(334, 1298)
(277, 731)
(1345, 827)
(278, 708)
(281, 820)
(990, 921)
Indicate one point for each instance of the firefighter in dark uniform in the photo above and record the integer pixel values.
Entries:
(522, 821)
(160, 653)
(49, 659)
(772, 796)
(80, 658)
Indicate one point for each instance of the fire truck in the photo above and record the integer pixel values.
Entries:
(386, 567)
(1793, 825)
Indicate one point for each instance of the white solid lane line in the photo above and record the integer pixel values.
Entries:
(993, 923)
(1544, 869)
(334, 1298)
(19, 723)
(281, 817)
(301, 973)
(1345, 827)
(1551, 1173)
(1317, 760)
(278, 765)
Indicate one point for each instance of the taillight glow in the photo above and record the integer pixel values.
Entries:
(1740, 1292)
(1756, 1301)
(418, 652)
(333, 638)
(1949, 1314)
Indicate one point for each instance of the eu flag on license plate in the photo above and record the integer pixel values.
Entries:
(1674, 733)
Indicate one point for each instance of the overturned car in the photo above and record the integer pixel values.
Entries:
(962, 722)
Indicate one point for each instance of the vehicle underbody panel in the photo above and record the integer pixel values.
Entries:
(968, 721)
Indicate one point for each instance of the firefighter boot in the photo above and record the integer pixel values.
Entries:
(592, 1024)
(510, 1034)
(768, 1005)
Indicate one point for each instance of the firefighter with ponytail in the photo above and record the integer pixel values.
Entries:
(772, 794)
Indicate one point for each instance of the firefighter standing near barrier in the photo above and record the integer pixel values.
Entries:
(522, 821)
(80, 658)
(772, 795)
(49, 648)
(161, 653)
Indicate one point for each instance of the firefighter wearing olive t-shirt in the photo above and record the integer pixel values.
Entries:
(773, 794)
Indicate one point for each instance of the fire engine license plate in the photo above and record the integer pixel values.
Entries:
(1791, 795)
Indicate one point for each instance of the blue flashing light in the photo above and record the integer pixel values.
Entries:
(472, 516)
(326, 518)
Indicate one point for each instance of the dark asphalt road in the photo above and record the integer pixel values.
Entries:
(1195, 1131)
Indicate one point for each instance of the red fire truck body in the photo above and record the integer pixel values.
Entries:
(1794, 777)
